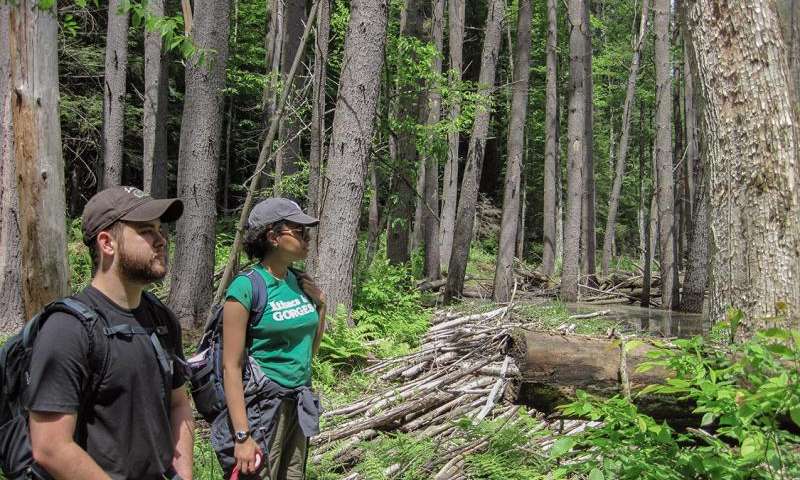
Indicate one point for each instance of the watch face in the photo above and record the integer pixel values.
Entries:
(241, 436)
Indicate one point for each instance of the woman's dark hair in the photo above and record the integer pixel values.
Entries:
(255, 242)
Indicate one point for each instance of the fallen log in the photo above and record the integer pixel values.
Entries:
(552, 367)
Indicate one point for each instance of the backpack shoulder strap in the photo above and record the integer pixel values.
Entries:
(259, 298)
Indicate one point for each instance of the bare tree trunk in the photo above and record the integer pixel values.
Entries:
(201, 128)
(37, 152)
(286, 159)
(751, 150)
(465, 214)
(273, 46)
(576, 125)
(431, 211)
(622, 148)
(678, 167)
(694, 287)
(317, 153)
(154, 122)
(417, 230)
(450, 179)
(374, 221)
(504, 271)
(666, 182)
(551, 150)
(116, 67)
(692, 147)
(10, 245)
(407, 111)
(588, 216)
(641, 213)
(350, 142)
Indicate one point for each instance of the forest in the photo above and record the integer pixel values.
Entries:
(559, 239)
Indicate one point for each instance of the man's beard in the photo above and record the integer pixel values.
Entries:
(141, 269)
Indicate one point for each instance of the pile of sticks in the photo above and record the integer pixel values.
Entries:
(463, 370)
(620, 287)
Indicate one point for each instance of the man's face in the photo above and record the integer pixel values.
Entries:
(142, 252)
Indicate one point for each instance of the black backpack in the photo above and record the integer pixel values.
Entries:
(16, 456)
(205, 368)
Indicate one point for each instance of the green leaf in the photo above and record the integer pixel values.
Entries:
(752, 446)
(562, 446)
(795, 414)
(708, 419)
(596, 474)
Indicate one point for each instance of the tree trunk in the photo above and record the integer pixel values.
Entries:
(418, 230)
(504, 271)
(666, 182)
(286, 159)
(450, 178)
(642, 197)
(576, 125)
(622, 148)
(694, 287)
(751, 150)
(692, 147)
(679, 167)
(588, 217)
(317, 153)
(116, 67)
(37, 152)
(551, 150)
(351, 138)
(10, 247)
(403, 184)
(273, 44)
(154, 122)
(431, 211)
(465, 214)
(201, 128)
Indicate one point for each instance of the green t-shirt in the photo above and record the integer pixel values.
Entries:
(284, 337)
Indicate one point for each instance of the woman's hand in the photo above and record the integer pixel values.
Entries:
(311, 289)
(245, 454)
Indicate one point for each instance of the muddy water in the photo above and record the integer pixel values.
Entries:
(654, 321)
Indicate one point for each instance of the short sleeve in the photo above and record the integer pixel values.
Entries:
(59, 365)
(241, 290)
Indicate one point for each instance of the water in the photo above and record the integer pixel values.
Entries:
(657, 322)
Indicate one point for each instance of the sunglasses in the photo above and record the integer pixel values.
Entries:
(298, 232)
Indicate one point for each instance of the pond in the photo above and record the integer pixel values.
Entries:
(657, 322)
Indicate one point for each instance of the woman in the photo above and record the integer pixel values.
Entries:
(282, 343)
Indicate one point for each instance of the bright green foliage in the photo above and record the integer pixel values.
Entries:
(400, 449)
(206, 466)
(747, 396)
(508, 456)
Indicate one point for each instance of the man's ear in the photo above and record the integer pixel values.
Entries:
(106, 243)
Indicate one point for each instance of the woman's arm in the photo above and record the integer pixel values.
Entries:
(234, 326)
(321, 309)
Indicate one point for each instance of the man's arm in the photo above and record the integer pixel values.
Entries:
(182, 433)
(55, 450)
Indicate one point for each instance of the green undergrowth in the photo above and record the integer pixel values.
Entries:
(553, 314)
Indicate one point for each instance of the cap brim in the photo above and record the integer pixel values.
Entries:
(167, 210)
(302, 219)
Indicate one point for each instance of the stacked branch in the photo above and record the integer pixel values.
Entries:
(463, 369)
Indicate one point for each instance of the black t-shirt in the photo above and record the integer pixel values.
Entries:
(128, 431)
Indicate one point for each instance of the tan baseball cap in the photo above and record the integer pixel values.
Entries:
(128, 204)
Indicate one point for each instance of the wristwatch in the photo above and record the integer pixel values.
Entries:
(241, 436)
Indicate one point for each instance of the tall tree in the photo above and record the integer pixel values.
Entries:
(622, 147)
(10, 247)
(750, 145)
(455, 19)
(465, 214)
(588, 216)
(430, 213)
(287, 158)
(33, 45)
(575, 151)
(273, 44)
(116, 68)
(317, 153)
(551, 149)
(408, 100)
(154, 123)
(201, 128)
(504, 271)
(351, 137)
(666, 182)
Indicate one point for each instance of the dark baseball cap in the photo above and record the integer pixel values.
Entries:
(276, 209)
(128, 204)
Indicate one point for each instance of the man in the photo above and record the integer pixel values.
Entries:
(136, 423)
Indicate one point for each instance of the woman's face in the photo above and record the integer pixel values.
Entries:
(291, 241)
